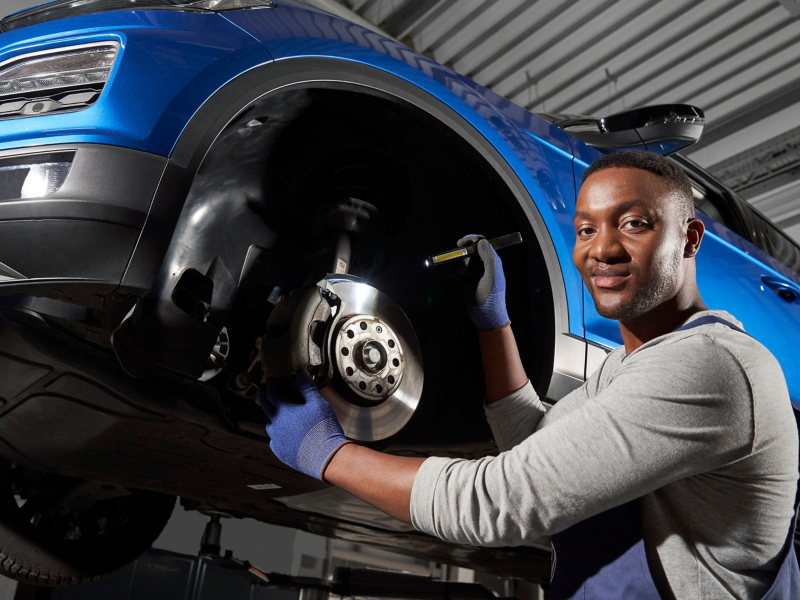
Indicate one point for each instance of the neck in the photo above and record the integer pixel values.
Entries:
(664, 318)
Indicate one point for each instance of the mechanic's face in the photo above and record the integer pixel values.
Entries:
(631, 242)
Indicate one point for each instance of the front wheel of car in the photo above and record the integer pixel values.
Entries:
(57, 531)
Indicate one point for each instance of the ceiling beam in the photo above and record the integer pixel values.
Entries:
(597, 8)
(679, 34)
(489, 32)
(688, 56)
(340, 10)
(509, 45)
(401, 22)
(750, 113)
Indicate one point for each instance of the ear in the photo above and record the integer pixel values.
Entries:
(694, 235)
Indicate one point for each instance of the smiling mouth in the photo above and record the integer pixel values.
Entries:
(609, 278)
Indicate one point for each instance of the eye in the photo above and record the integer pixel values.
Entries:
(634, 224)
(584, 231)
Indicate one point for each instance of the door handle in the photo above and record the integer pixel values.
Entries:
(789, 292)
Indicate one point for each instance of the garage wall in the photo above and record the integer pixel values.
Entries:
(8, 7)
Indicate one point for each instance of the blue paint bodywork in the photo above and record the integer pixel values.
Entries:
(171, 63)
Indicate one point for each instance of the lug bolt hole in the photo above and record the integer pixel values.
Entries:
(345, 351)
(390, 380)
(363, 326)
(379, 329)
(379, 388)
(390, 343)
(350, 334)
(362, 385)
(349, 371)
(395, 362)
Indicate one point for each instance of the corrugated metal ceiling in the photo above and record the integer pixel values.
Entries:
(738, 60)
(601, 56)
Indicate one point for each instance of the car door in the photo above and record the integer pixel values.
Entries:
(737, 276)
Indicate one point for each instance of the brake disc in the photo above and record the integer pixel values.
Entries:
(376, 359)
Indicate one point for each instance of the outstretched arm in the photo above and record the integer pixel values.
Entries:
(379, 479)
(647, 429)
(386, 481)
(663, 418)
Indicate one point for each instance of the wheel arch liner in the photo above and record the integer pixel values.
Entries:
(168, 217)
(147, 270)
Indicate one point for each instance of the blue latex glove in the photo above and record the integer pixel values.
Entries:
(303, 436)
(484, 285)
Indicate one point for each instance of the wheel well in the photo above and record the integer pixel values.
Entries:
(297, 149)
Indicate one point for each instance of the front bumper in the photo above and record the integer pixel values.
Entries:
(85, 230)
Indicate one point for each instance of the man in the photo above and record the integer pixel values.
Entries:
(671, 473)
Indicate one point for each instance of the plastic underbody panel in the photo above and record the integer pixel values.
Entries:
(167, 435)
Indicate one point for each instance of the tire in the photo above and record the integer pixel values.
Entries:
(44, 544)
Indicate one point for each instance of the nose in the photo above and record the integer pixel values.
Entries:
(606, 246)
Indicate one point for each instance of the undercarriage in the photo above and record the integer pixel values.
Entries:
(301, 244)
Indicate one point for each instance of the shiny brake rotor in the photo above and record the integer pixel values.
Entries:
(377, 362)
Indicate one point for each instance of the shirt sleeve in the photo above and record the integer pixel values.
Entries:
(515, 417)
(669, 412)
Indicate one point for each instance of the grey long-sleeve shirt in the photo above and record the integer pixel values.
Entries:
(697, 423)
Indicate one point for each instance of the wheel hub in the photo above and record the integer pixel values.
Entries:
(376, 360)
(369, 357)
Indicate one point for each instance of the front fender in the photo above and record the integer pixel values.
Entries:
(168, 66)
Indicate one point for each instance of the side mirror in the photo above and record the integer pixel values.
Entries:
(662, 129)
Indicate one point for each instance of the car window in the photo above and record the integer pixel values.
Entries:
(771, 239)
(712, 203)
(710, 198)
(708, 203)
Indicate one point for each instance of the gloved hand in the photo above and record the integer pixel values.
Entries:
(484, 285)
(303, 436)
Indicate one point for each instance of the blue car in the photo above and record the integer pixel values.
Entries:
(198, 195)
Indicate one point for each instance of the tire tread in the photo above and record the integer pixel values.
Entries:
(15, 565)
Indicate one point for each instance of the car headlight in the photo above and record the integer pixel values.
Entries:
(33, 176)
(67, 79)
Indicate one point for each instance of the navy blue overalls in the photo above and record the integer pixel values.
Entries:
(603, 557)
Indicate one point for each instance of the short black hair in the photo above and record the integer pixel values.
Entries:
(676, 178)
